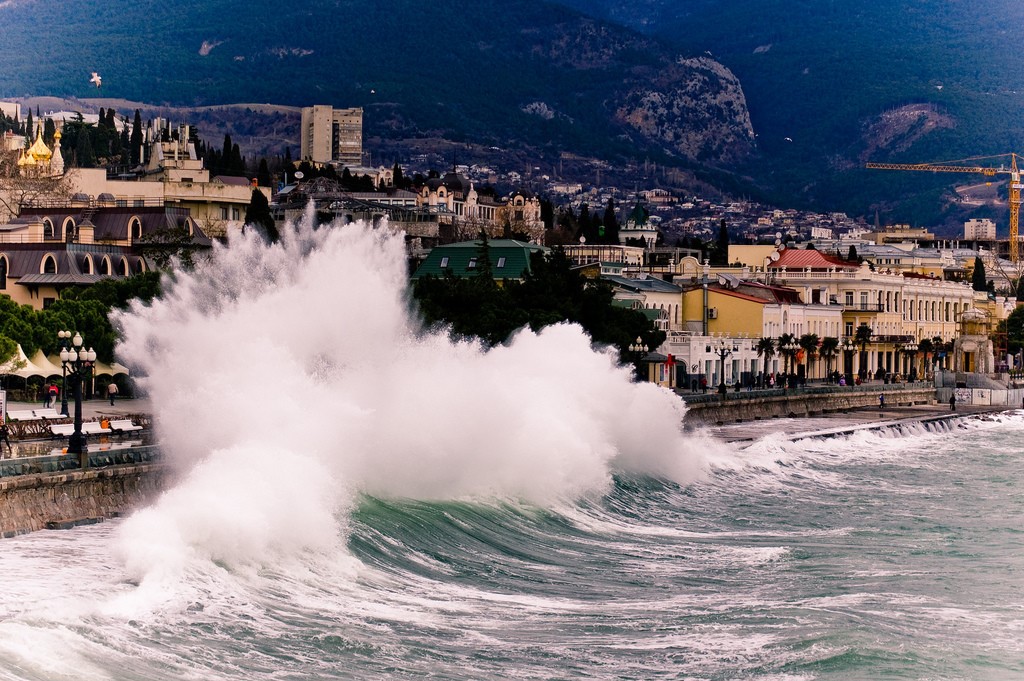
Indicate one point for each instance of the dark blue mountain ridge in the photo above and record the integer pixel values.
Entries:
(832, 84)
(504, 73)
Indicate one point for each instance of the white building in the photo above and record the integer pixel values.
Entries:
(980, 230)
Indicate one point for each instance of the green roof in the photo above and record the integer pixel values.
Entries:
(510, 259)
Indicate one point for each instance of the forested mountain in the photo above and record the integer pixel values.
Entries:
(833, 84)
(518, 71)
(826, 85)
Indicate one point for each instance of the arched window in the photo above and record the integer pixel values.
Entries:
(3, 272)
(68, 228)
(140, 266)
(87, 265)
(126, 269)
(105, 266)
(48, 228)
(134, 228)
(49, 265)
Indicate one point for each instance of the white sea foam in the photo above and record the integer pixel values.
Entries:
(287, 378)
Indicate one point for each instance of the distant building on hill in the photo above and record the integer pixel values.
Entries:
(980, 230)
(329, 135)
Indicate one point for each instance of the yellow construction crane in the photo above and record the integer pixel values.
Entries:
(951, 167)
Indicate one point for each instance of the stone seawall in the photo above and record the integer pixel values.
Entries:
(64, 499)
(768, 404)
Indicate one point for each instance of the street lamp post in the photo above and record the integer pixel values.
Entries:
(790, 350)
(722, 351)
(640, 349)
(911, 349)
(704, 281)
(64, 340)
(77, 362)
(848, 347)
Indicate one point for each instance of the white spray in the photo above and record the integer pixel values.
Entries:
(287, 378)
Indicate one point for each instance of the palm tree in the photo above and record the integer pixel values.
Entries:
(809, 342)
(785, 341)
(926, 347)
(829, 350)
(765, 348)
(862, 336)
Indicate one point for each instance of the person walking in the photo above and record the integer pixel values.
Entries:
(952, 402)
(5, 438)
(112, 392)
(881, 401)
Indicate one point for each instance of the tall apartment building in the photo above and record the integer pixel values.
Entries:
(330, 134)
(979, 230)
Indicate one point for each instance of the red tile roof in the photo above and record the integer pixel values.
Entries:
(792, 258)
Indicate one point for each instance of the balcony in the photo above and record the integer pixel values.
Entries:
(863, 307)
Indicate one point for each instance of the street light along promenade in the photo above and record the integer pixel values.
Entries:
(76, 362)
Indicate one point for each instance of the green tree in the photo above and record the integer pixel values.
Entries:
(809, 344)
(829, 349)
(263, 178)
(1015, 330)
(978, 280)
(851, 255)
(84, 155)
(611, 224)
(766, 349)
(136, 140)
(720, 252)
(258, 214)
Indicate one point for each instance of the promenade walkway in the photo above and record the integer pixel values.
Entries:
(92, 410)
(839, 423)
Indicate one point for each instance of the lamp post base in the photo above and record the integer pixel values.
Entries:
(77, 445)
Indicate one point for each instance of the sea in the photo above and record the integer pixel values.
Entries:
(357, 496)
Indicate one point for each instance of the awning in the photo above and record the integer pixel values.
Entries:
(43, 363)
(21, 366)
(101, 369)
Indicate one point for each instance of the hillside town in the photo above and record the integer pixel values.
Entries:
(744, 295)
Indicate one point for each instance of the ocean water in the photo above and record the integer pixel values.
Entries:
(361, 498)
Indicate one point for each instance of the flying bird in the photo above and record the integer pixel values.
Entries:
(96, 79)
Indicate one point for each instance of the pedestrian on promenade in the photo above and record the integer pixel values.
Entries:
(881, 401)
(952, 402)
(5, 438)
(112, 392)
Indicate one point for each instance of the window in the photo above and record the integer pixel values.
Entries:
(848, 299)
(863, 300)
(849, 329)
(126, 269)
(223, 212)
(47, 228)
(501, 263)
(105, 266)
(139, 203)
(444, 261)
(472, 264)
(49, 265)
(47, 302)
(135, 228)
(87, 267)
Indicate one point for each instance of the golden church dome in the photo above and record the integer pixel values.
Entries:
(39, 151)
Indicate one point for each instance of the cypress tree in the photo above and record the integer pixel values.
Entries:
(978, 279)
(49, 128)
(30, 131)
(135, 142)
(263, 178)
(258, 214)
(84, 154)
(611, 224)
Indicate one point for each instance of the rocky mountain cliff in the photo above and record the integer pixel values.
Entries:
(505, 73)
